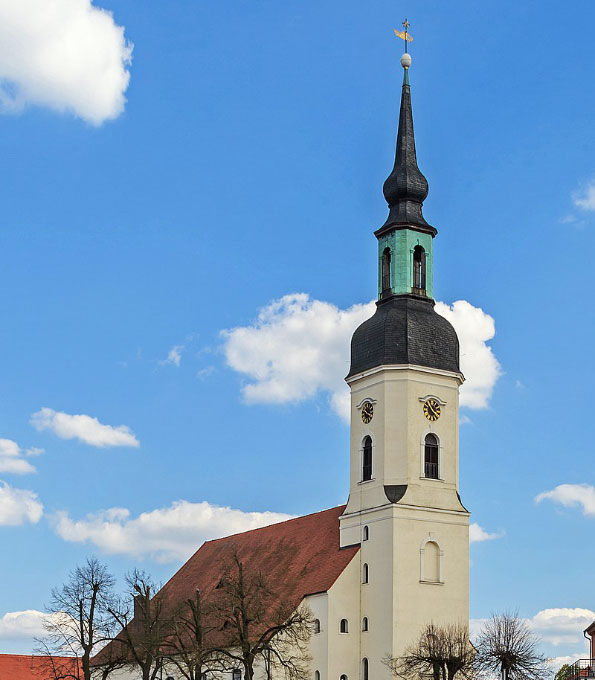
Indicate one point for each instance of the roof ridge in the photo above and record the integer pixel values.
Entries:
(267, 526)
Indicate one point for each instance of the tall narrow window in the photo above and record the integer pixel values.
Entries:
(364, 669)
(236, 674)
(386, 287)
(316, 675)
(317, 625)
(432, 562)
(365, 624)
(431, 456)
(366, 533)
(344, 626)
(367, 460)
(419, 269)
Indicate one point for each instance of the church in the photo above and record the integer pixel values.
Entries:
(396, 557)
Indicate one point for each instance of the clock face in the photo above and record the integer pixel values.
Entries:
(432, 409)
(367, 411)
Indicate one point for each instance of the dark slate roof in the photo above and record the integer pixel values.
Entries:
(405, 330)
(406, 188)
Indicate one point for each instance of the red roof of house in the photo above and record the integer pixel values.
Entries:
(298, 557)
(20, 667)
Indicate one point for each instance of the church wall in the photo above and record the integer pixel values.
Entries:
(319, 642)
(344, 649)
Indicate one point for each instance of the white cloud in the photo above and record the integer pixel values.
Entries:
(84, 428)
(572, 495)
(165, 534)
(478, 363)
(477, 534)
(18, 506)
(174, 356)
(564, 625)
(298, 347)
(67, 55)
(11, 458)
(25, 624)
(585, 199)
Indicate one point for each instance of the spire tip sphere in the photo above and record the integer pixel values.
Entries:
(406, 60)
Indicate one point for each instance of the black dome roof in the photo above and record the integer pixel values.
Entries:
(405, 330)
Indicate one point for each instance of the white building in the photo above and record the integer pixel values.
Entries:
(396, 556)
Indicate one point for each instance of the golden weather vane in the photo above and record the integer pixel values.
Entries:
(404, 35)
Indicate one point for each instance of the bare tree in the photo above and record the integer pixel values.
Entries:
(257, 624)
(78, 623)
(144, 627)
(442, 652)
(189, 647)
(506, 645)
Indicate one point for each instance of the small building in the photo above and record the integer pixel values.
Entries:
(23, 667)
(585, 668)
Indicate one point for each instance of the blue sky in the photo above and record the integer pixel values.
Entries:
(153, 199)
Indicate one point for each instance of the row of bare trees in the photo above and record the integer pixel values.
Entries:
(91, 632)
(505, 647)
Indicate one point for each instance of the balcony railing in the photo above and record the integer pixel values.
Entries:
(583, 668)
(431, 470)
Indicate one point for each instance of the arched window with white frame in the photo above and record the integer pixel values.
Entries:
(431, 555)
(364, 669)
(431, 457)
(365, 574)
(365, 624)
(367, 459)
(366, 533)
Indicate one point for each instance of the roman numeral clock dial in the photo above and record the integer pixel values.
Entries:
(367, 411)
(432, 410)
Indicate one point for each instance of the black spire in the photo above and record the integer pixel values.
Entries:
(406, 188)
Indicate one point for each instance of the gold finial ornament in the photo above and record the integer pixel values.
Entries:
(404, 35)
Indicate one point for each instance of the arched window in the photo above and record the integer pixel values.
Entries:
(236, 674)
(367, 460)
(386, 287)
(344, 626)
(365, 574)
(419, 269)
(431, 557)
(366, 534)
(343, 677)
(316, 675)
(431, 450)
(365, 624)
(364, 669)
(317, 625)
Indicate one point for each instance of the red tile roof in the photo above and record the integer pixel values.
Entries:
(19, 667)
(298, 557)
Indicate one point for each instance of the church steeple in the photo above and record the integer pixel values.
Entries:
(405, 189)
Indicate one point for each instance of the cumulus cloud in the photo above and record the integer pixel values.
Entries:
(572, 495)
(84, 428)
(478, 363)
(563, 625)
(478, 534)
(165, 534)
(174, 356)
(585, 198)
(298, 347)
(11, 458)
(19, 625)
(556, 628)
(18, 506)
(67, 55)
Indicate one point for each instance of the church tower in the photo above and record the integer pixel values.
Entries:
(404, 508)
